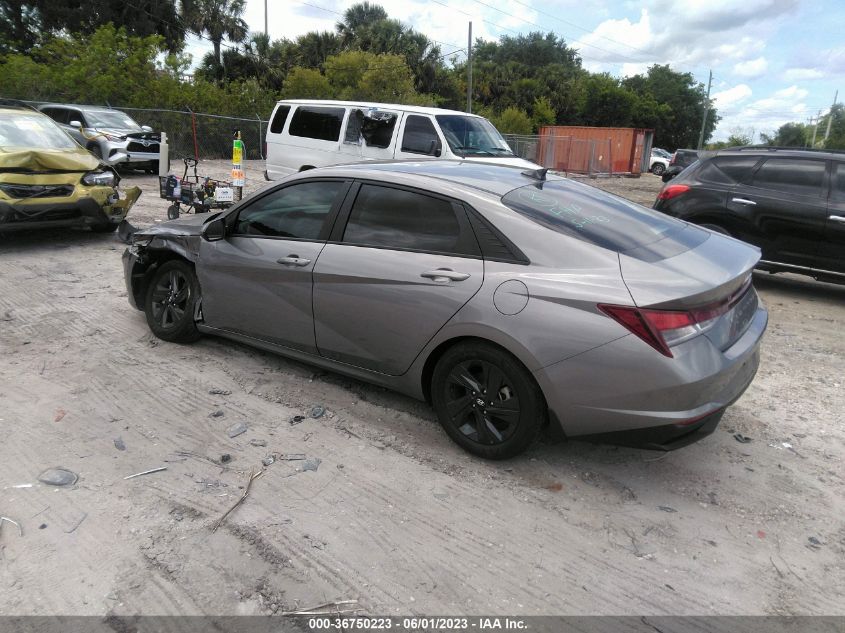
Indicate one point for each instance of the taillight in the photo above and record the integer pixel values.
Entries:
(672, 191)
(663, 328)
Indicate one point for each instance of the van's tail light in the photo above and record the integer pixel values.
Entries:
(672, 191)
(664, 328)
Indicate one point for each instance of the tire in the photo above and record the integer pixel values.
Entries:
(173, 211)
(717, 229)
(170, 300)
(658, 168)
(109, 227)
(500, 427)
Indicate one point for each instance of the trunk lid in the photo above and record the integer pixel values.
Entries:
(713, 275)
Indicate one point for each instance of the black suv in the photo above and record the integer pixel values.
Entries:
(681, 159)
(788, 202)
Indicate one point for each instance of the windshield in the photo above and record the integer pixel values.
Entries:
(112, 119)
(32, 131)
(591, 215)
(472, 136)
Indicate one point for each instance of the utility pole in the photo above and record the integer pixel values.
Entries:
(816, 128)
(830, 118)
(469, 69)
(266, 31)
(706, 111)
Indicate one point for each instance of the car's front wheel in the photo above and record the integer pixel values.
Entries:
(171, 299)
(487, 401)
(658, 168)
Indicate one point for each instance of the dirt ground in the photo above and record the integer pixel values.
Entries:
(393, 514)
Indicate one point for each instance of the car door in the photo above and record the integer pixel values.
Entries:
(418, 138)
(785, 201)
(400, 265)
(378, 131)
(833, 247)
(257, 282)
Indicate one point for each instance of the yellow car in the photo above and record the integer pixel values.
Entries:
(48, 180)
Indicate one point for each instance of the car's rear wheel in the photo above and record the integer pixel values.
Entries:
(487, 401)
(658, 168)
(170, 302)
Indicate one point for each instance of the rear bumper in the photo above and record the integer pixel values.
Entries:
(625, 392)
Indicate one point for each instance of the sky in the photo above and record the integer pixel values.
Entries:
(773, 61)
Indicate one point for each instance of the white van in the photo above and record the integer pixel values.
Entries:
(304, 134)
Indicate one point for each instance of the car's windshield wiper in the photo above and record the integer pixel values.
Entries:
(501, 149)
(474, 149)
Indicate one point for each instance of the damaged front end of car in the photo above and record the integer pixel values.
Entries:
(47, 189)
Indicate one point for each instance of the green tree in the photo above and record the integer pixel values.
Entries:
(513, 121)
(355, 18)
(789, 135)
(307, 83)
(542, 113)
(677, 124)
(219, 19)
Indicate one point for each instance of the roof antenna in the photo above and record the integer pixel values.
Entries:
(536, 174)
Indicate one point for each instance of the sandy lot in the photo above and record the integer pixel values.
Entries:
(393, 515)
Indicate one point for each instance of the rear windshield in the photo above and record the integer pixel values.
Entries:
(590, 214)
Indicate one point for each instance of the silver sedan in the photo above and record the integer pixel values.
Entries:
(515, 301)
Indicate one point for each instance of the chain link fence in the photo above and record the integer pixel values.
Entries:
(565, 153)
(197, 134)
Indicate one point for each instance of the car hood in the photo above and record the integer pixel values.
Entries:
(189, 225)
(43, 160)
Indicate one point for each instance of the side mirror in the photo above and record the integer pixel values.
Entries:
(76, 124)
(434, 148)
(146, 128)
(214, 231)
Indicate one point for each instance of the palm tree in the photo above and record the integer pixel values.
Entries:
(219, 19)
(358, 16)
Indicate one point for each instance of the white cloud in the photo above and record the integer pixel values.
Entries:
(732, 96)
(766, 114)
(802, 74)
(751, 68)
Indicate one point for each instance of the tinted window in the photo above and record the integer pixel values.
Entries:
(838, 188)
(419, 134)
(298, 211)
(804, 177)
(394, 218)
(353, 127)
(590, 214)
(728, 169)
(57, 114)
(278, 123)
(320, 123)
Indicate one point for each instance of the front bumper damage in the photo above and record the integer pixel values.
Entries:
(97, 206)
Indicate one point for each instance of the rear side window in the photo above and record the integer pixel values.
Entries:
(317, 122)
(590, 214)
(278, 122)
(295, 212)
(796, 176)
(57, 114)
(405, 220)
(728, 170)
(419, 135)
(838, 188)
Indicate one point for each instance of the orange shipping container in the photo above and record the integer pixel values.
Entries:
(594, 150)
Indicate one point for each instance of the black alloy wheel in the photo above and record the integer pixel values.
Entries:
(170, 302)
(487, 401)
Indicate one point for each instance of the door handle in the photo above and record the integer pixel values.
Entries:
(293, 260)
(837, 218)
(744, 201)
(442, 275)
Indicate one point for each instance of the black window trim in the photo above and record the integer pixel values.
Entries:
(231, 218)
(460, 214)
